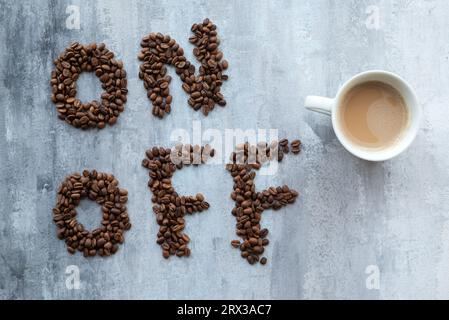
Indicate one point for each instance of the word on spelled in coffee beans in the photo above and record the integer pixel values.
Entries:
(91, 58)
(250, 203)
(159, 50)
(103, 189)
(170, 208)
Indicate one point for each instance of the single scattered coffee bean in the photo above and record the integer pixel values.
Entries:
(170, 208)
(249, 203)
(103, 189)
(91, 58)
(159, 50)
(296, 146)
(283, 142)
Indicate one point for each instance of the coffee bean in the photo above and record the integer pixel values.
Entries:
(204, 87)
(263, 233)
(79, 58)
(235, 243)
(252, 241)
(170, 208)
(101, 242)
(249, 203)
(280, 155)
(110, 197)
(283, 142)
(296, 146)
(199, 197)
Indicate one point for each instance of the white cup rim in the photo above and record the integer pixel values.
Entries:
(409, 135)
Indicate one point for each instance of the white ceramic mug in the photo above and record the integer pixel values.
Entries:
(330, 107)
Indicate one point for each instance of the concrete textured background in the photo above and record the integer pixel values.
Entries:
(351, 213)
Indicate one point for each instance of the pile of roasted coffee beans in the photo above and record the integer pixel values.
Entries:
(159, 50)
(103, 189)
(97, 58)
(170, 208)
(249, 203)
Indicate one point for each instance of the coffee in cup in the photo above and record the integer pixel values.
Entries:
(373, 115)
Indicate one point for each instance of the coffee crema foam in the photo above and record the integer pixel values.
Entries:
(373, 115)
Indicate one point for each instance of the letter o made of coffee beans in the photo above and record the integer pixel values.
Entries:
(103, 189)
(91, 58)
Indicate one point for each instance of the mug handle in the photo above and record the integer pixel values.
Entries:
(320, 104)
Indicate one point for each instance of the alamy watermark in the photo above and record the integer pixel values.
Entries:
(372, 281)
(72, 282)
(225, 143)
(73, 21)
(372, 21)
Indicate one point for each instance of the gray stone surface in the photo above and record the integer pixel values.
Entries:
(351, 213)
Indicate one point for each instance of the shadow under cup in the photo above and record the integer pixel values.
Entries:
(408, 133)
